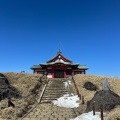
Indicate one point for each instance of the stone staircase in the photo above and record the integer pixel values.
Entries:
(54, 89)
(46, 110)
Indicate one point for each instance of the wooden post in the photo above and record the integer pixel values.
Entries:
(101, 112)
(75, 84)
(83, 100)
(78, 94)
(10, 103)
(118, 118)
(93, 107)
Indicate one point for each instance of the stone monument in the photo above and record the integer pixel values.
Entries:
(105, 84)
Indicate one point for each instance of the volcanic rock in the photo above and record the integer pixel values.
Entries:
(6, 90)
(107, 98)
(90, 86)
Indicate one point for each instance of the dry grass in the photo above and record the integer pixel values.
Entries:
(23, 82)
(97, 80)
(114, 114)
(26, 84)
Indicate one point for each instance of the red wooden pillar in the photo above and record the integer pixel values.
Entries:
(52, 72)
(64, 73)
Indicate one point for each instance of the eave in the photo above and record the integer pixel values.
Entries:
(35, 67)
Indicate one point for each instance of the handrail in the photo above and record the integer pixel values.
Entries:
(43, 90)
(79, 95)
(34, 106)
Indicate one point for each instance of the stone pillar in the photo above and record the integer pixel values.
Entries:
(105, 84)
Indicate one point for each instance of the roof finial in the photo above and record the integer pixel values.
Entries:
(59, 52)
(59, 46)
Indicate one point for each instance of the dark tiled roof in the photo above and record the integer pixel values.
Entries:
(66, 63)
(35, 66)
(58, 61)
(82, 67)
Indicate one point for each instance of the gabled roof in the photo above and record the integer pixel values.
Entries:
(59, 56)
(59, 59)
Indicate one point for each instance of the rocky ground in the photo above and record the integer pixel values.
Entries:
(28, 86)
(80, 80)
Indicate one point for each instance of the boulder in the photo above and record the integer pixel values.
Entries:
(7, 90)
(90, 86)
(107, 98)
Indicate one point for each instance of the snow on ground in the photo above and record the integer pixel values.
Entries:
(67, 101)
(88, 116)
(66, 83)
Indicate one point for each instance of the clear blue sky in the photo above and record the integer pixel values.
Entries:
(88, 32)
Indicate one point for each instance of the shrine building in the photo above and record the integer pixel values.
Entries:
(59, 67)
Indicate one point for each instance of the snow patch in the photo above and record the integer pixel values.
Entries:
(67, 101)
(88, 116)
(66, 83)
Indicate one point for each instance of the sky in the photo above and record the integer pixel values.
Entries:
(86, 31)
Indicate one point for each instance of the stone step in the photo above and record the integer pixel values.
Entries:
(59, 90)
(56, 86)
(57, 82)
(61, 93)
(56, 94)
(46, 101)
(50, 98)
(54, 89)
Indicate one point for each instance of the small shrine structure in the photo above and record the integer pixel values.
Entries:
(59, 67)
